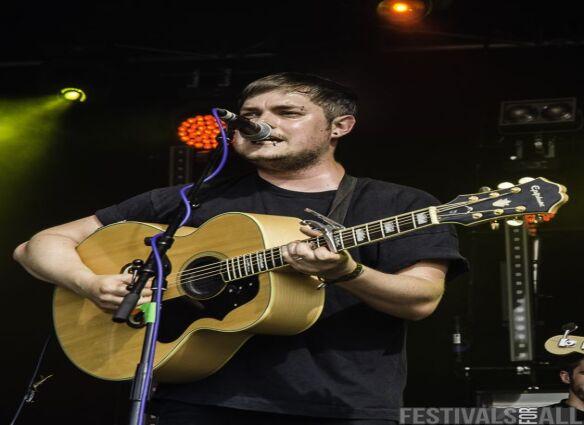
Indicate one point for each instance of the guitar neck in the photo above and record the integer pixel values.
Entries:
(533, 196)
(346, 238)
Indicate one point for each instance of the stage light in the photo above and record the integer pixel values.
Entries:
(403, 12)
(557, 112)
(200, 132)
(521, 114)
(539, 116)
(401, 7)
(519, 293)
(73, 94)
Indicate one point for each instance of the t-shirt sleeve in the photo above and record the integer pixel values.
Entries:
(433, 243)
(154, 206)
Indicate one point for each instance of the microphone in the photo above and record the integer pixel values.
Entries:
(252, 131)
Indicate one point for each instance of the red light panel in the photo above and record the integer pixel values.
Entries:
(200, 132)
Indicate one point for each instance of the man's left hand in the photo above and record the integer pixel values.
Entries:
(312, 260)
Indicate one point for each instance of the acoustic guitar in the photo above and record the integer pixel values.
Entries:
(228, 282)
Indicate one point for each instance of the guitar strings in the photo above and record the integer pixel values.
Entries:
(345, 238)
(219, 268)
(252, 263)
(220, 265)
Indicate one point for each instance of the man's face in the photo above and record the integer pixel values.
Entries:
(300, 130)
(577, 381)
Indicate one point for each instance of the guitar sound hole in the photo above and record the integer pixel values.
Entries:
(205, 282)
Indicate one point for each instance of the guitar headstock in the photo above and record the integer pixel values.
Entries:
(532, 196)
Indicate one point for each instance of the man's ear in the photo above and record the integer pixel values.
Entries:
(565, 377)
(342, 125)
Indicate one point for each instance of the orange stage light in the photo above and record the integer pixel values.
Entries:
(402, 12)
(200, 132)
(401, 7)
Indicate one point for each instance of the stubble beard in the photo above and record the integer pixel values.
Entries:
(578, 390)
(291, 162)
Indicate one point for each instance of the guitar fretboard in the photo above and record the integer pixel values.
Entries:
(351, 237)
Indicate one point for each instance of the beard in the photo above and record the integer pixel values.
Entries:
(578, 390)
(290, 162)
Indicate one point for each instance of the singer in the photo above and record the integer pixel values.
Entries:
(348, 368)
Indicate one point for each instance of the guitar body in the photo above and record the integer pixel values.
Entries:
(198, 333)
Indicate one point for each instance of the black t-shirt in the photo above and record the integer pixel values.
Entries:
(351, 363)
(569, 413)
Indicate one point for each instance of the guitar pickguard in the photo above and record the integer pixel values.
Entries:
(179, 313)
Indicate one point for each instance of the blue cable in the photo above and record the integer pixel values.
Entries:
(159, 266)
(215, 172)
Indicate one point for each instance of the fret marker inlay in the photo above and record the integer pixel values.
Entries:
(421, 218)
(389, 227)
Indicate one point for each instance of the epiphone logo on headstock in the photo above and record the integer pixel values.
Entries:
(535, 192)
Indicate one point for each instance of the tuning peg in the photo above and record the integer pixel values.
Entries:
(505, 185)
(514, 222)
(525, 180)
(495, 225)
(484, 189)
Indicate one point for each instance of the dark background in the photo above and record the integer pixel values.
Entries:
(429, 102)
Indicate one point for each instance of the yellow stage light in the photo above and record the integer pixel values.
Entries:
(73, 94)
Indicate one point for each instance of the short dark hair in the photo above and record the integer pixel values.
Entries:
(335, 99)
(569, 362)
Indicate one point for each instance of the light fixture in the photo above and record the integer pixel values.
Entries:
(73, 94)
(540, 115)
(403, 12)
(200, 132)
(518, 293)
(557, 112)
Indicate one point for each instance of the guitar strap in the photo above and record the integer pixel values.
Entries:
(340, 205)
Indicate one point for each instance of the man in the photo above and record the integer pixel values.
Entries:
(350, 366)
(572, 374)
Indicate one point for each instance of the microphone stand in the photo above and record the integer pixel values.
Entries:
(142, 382)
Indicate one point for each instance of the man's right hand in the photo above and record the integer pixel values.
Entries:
(51, 255)
(108, 291)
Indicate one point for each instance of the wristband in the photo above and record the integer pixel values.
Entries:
(344, 278)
